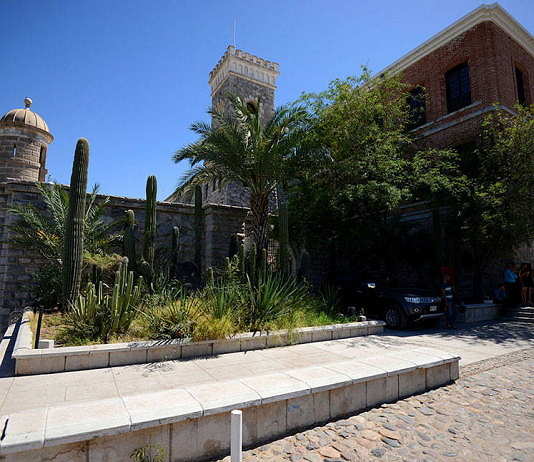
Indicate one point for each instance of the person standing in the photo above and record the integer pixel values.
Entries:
(447, 293)
(510, 284)
(527, 284)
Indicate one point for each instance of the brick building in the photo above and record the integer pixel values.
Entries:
(483, 59)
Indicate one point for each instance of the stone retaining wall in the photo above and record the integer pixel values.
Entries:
(30, 361)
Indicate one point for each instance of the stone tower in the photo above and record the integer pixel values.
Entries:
(24, 139)
(237, 73)
(241, 74)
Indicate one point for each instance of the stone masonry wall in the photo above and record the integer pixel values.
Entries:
(17, 266)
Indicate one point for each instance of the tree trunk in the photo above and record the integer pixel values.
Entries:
(259, 209)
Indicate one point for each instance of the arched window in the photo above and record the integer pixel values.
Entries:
(14, 150)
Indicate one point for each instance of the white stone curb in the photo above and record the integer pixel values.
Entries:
(29, 361)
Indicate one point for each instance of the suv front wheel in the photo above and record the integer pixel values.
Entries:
(395, 317)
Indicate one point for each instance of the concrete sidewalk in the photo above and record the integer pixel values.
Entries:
(473, 343)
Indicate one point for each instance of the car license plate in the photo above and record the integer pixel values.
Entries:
(433, 308)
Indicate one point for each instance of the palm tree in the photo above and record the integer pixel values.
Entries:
(241, 147)
(42, 229)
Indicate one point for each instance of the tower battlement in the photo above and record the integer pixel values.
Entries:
(245, 65)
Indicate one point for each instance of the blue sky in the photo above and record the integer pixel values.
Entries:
(132, 75)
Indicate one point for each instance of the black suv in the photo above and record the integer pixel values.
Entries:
(398, 307)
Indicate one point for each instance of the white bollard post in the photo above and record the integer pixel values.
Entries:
(236, 436)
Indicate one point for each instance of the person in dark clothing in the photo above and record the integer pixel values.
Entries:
(447, 293)
(511, 285)
(527, 284)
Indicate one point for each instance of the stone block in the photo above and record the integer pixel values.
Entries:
(69, 423)
(300, 337)
(39, 365)
(46, 343)
(375, 330)
(321, 406)
(226, 346)
(341, 332)
(300, 412)
(271, 420)
(412, 382)
(392, 388)
(275, 387)
(196, 350)
(359, 331)
(455, 370)
(321, 334)
(214, 435)
(376, 392)
(219, 397)
(277, 340)
(253, 343)
(121, 447)
(438, 375)
(163, 353)
(161, 407)
(347, 400)
(124, 358)
(92, 360)
(320, 378)
(184, 441)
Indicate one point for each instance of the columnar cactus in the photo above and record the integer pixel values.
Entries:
(128, 240)
(73, 242)
(175, 249)
(150, 220)
(198, 227)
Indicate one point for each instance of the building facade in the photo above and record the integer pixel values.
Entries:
(482, 61)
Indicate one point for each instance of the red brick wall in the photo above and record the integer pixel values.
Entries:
(491, 55)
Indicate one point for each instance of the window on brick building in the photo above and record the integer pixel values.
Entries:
(14, 150)
(458, 87)
(520, 85)
(416, 107)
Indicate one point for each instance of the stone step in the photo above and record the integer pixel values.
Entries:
(526, 319)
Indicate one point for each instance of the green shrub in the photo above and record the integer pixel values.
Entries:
(271, 297)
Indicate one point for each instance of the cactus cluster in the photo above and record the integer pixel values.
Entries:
(73, 243)
(100, 315)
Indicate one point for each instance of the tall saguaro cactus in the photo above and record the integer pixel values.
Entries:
(73, 242)
(150, 220)
(128, 240)
(199, 214)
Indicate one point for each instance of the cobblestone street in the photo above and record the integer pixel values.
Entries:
(487, 415)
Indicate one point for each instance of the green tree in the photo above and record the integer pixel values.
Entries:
(241, 147)
(495, 212)
(358, 170)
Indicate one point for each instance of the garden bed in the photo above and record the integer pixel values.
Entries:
(29, 361)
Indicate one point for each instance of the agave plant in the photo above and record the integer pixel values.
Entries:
(43, 229)
(271, 297)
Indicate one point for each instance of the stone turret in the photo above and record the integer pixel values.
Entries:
(242, 74)
(24, 140)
